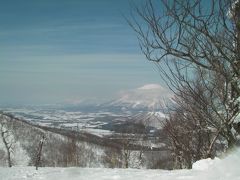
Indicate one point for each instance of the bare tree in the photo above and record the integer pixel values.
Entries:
(183, 37)
(113, 157)
(70, 151)
(8, 143)
(126, 143)
(188, 136)
(8, 140)
(39, 152)
(130, 138)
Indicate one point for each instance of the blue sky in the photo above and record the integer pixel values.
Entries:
(61, 50)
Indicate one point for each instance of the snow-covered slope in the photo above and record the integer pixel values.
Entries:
(226, 169)
(152, 119)
(61, 148)
(150, 96)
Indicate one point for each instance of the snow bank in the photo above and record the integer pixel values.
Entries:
(226, 169)
(205, 164)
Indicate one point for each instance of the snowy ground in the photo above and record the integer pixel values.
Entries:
(226, 169)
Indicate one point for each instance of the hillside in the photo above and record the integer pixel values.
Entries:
(64, 148)
(60, 148)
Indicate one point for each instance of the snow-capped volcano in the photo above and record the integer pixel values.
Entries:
(150, 96)
(151, 87)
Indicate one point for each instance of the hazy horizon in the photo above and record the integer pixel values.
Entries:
(58, 51)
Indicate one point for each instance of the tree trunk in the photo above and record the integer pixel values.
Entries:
(8, 150)
(126, 159)
(39, 153)
(231, 140)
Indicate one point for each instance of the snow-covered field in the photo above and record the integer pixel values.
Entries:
(226, 169)
(85, 121)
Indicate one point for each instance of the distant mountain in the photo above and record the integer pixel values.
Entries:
(144, 105)
(153, 119)
(150, 97)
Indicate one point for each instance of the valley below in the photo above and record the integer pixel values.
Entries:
(86, 136)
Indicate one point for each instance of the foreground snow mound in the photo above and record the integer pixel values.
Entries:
(226, 169)
(205, 164)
